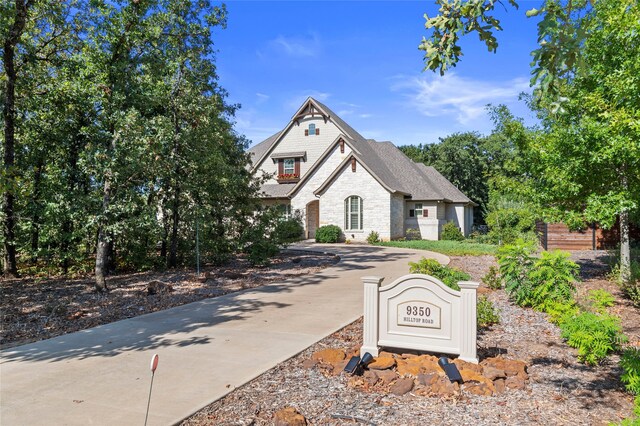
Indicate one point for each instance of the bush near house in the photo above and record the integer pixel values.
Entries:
(451, 232)
(328, 234)
(373, 237)
(289, 230)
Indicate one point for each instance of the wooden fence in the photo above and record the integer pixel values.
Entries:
(557, 236)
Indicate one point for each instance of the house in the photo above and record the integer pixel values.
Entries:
(323, 168)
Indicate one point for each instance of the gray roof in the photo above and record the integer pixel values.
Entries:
(385, 161)
(277, 190)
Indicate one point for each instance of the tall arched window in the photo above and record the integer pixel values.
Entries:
(353, 213)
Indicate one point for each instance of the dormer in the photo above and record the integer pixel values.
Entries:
(288, 165)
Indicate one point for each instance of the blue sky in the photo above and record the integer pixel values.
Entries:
(361, 59)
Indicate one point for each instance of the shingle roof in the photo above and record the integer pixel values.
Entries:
(389, 165)
(277, 190)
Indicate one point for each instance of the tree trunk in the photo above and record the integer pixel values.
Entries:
(625, 248)
(102, 251)
(35, 218)
(10, 267)
(175, 219)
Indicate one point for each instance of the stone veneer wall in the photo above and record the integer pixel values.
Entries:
(376, 200)
(397, 216)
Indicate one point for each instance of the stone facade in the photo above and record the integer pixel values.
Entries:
(376, 203)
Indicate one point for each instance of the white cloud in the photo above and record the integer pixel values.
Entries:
(305, 46)
(261, 98)
(364, 115)
(462, 98)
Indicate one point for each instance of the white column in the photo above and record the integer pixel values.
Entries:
(371, 315)
(468, 323)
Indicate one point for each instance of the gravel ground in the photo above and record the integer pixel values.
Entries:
(560, 391)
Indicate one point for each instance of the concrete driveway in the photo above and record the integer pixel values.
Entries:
(101, 376)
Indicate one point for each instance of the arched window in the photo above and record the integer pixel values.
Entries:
(353, 213)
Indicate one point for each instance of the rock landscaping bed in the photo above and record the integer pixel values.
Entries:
(527, 375)
(40, 308)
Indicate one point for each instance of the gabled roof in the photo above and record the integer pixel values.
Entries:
(393, 170)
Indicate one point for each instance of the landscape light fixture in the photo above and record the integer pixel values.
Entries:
(356, 365)
(450, 370)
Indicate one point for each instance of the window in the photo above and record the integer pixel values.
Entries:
(418, 209)
(312, 129)
(285, 210)
(289, 166)
(353, 213)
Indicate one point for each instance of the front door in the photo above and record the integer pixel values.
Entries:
(313, 218)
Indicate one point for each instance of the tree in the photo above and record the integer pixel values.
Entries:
(586, 73)
(32, 33)
(468, 160)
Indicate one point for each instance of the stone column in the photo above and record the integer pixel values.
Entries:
(371, 315)
(468, 321)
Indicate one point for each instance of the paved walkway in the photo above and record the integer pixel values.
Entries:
(101, 376)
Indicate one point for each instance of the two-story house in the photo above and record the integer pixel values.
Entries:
(322, 167)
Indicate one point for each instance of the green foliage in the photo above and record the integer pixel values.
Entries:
(466, 160)
(259, 239)
(123, 136)
(449, 276)
(487, 314)
(631, 287)
(451, 232)
(559, 311)
(373, 237)
(515, 262)
(452, 248)
(492, 279)
(328, 234)
(582, 162)
(289, 230)
(600, 300)
(510, 220)
(634, 420)
(630, 363)
(552, 278)
(594, 335)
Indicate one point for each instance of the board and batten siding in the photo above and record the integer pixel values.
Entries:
(376, 200)
(294, 140)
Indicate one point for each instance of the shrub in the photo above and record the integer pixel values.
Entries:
(373, 237)
(451, 232)
(630, 289)
(594, 335)
(552, 278)
(289, 230)
(630, 363)
(510, 220)
(487, 314)
(328, 234)
(260, 240)
(515, 261)
(492, 279)
(449, 276)
(559, 311)
(600, 300)
(412, 234)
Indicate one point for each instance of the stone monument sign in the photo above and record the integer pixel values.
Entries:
(420, 312)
